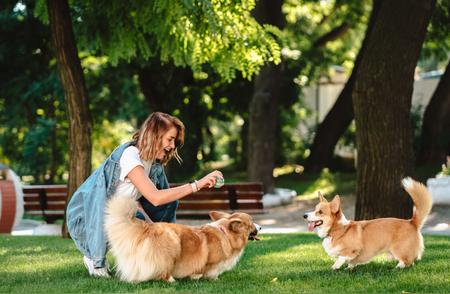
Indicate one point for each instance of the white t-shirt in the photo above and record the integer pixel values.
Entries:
(130, 159)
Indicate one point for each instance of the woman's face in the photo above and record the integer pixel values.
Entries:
(167, 143)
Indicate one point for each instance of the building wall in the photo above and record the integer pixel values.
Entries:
(328, 93)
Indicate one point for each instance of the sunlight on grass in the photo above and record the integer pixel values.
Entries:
(326, 184)
(287, 169)
(329, 183)
(282, 263)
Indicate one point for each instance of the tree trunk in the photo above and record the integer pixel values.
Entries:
(242, 159)
(150, 84)
(53, 158)
(161, 86)
(341, 114)
(382, 103)
(71, 75)
(435, 140)
(263, 109)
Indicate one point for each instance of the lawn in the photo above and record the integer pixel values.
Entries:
(287, 263)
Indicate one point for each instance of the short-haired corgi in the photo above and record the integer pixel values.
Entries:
(357, 242)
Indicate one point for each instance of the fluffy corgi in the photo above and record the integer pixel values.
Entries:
(357, 242)
(164, 251)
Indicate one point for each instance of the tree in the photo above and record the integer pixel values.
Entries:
(263, 111)
(435, 139)
(31, 100)
(199, 34)
(174, 90)
(195, 33)
(72, 79)
(33, 120)
(382, 102)
(341, 114)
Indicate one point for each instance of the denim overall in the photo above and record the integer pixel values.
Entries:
(86, 208)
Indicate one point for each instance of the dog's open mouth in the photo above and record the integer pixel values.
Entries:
(314, 224)
(253, 236)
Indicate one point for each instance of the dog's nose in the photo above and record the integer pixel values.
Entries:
(305, 216)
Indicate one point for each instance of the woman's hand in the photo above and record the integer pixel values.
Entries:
(209, 180)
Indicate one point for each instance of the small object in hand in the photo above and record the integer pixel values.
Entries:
(219, 182)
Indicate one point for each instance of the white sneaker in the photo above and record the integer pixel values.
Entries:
(101, 272)
(95, 272)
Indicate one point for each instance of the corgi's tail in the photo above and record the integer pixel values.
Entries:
(138, 255)
(119, 212)
(422, 201)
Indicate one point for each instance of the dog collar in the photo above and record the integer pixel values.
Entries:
(222, 229)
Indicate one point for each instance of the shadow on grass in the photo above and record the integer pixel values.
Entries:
(329, 183)
(280, 243)
(279, 263)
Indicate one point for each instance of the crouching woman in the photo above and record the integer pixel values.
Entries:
(134, 169)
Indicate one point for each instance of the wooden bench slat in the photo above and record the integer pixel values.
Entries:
(48, 207)
(48, 188)
(217, 206)
(211, 196)
(49, 213)
(50, 198)
(237, 186)
(182, 214)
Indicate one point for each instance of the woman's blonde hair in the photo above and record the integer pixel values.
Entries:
(148, 138)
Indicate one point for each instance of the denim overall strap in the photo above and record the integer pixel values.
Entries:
(117, 153)
(161, 213)
(113, 174)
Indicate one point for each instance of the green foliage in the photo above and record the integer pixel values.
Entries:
(307, 22)
(35, 154)
(437, 41)
(33, 121)
(445, 171)
(295, 137)
(31, 98)
(218, 40)
(219, 33)
(106, 136)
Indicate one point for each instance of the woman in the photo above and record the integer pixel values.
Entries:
(133, 169)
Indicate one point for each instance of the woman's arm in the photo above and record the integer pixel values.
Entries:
(159, 197)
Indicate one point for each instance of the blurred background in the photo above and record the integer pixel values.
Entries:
(264, 88)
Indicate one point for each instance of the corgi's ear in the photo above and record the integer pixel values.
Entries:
(335, 204)
(235, 225)
(215, 215)
(322, 199)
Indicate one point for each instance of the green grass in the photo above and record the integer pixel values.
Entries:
(288, 263)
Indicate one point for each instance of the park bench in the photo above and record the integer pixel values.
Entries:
(243, 197)
(48, 201)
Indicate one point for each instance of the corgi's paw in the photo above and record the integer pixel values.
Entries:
(350, 267)
(196, 276)
(339, 262)
(335, 267)
(168, 279)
